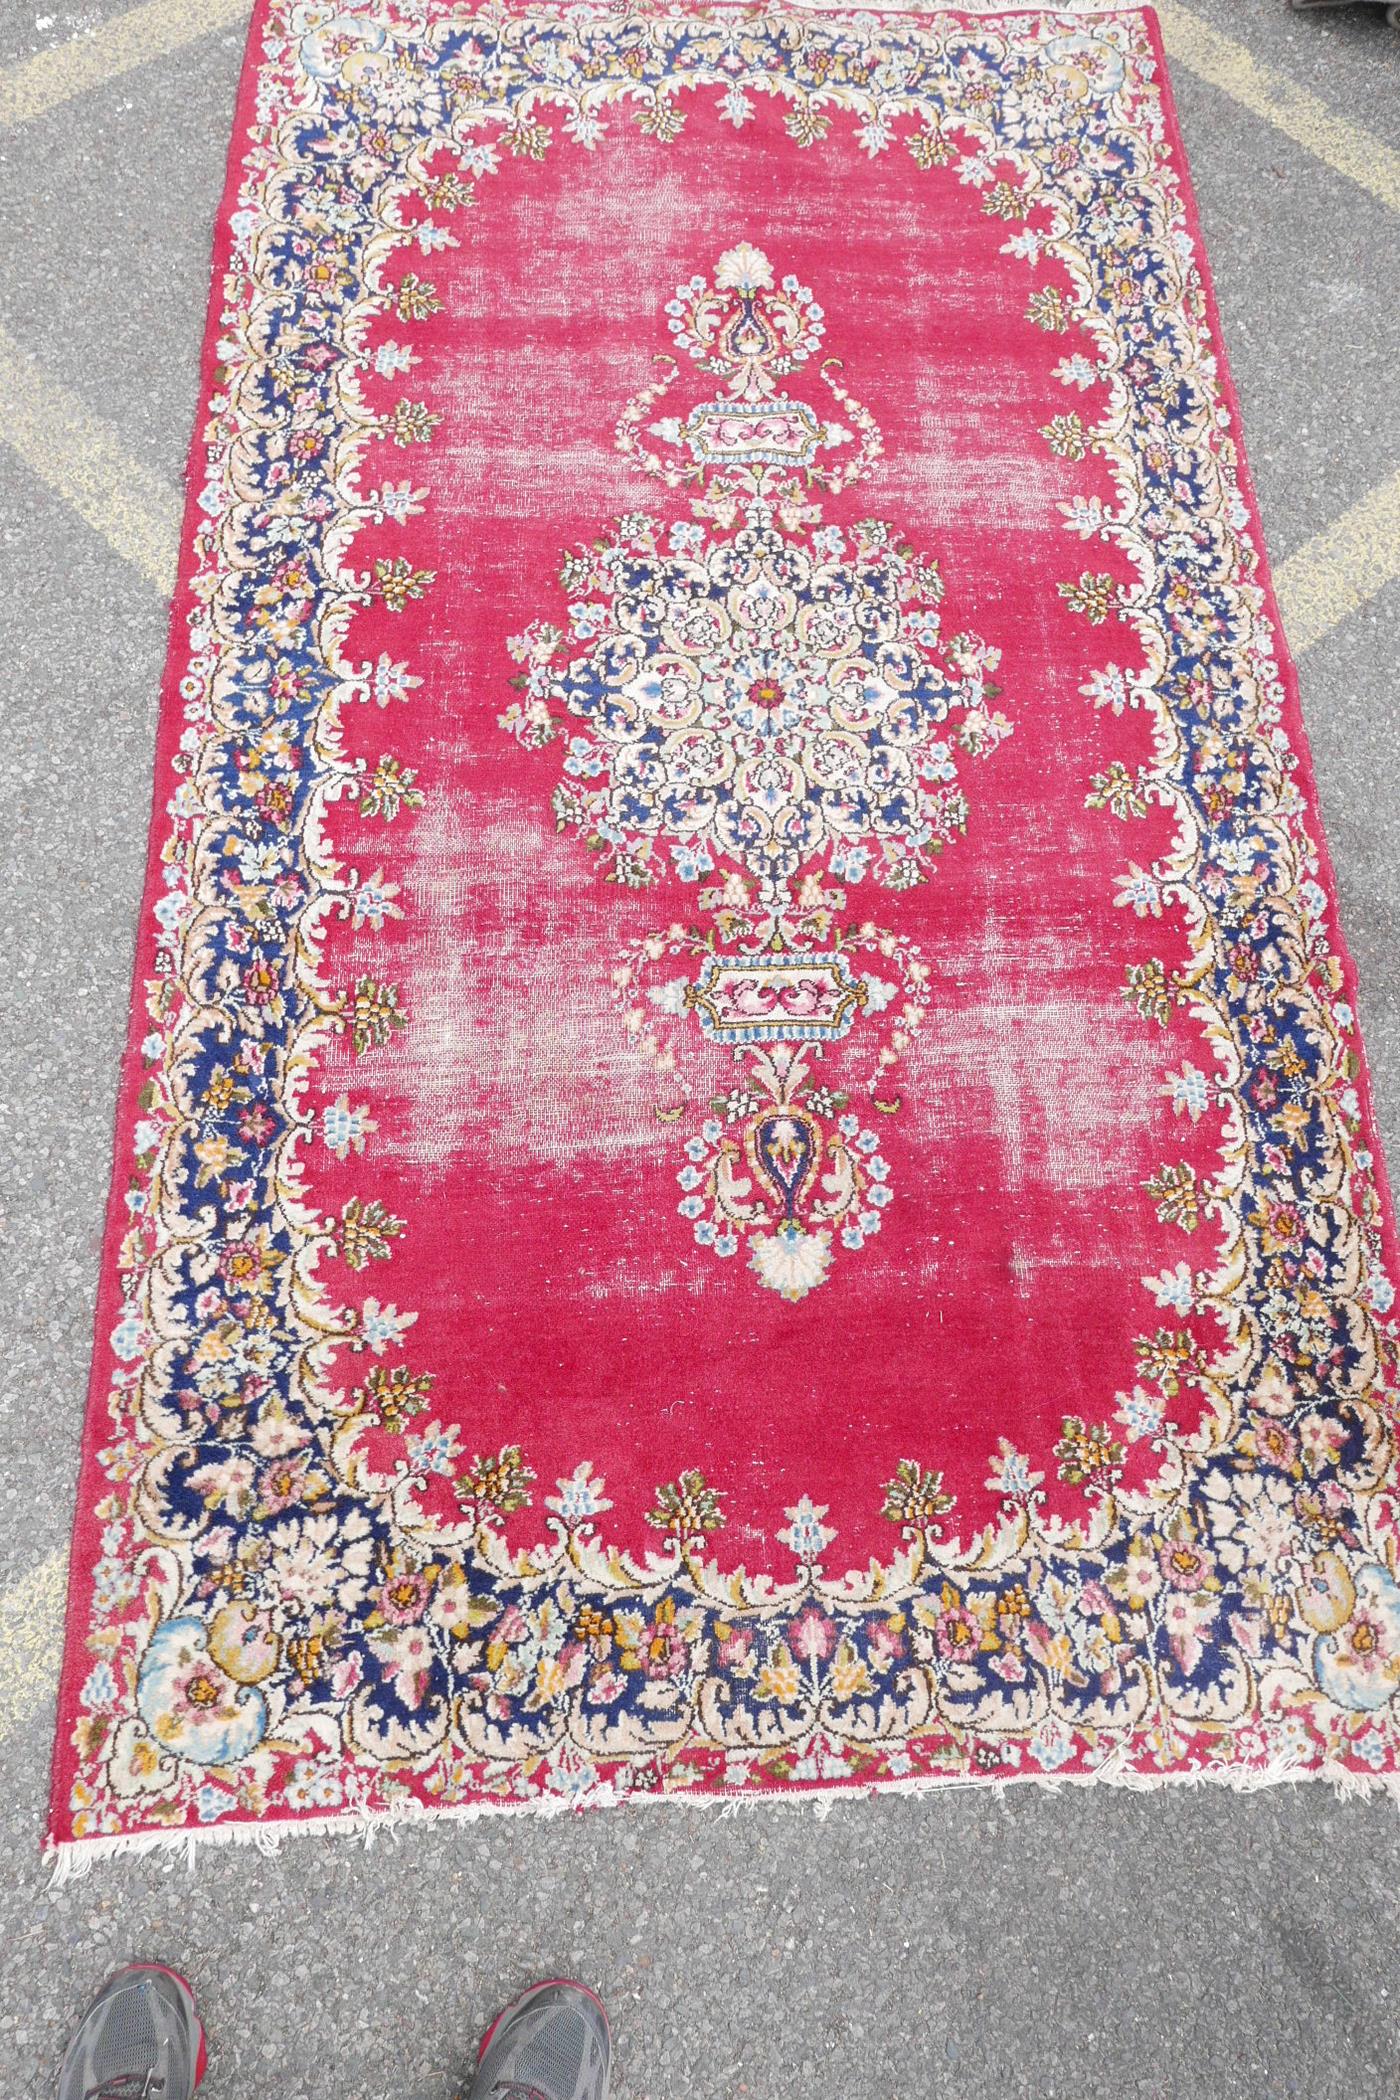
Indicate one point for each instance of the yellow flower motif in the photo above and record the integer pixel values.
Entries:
(416, 299)
(550, 1679)
(850, 1674)
(779, 1679)
(1095, 595)
(397, 581)
(1066, 436)
(932, 148)
(1004, 201)
(217, 1156)
(1048, 310)
(215, 1346)
(412, 423)
(90, 1734)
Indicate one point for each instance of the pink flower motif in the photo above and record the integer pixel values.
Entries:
(255, 1125)
(281, 1484)
(201, 1692)
(261, 983)
(407, 1658)
(1274, 1443)
(403, 1599)
(667, 1653)
(1184, 1564)
(1367, 1642)
(812, 1635)
(887, 1643)
(1010, 1666)
(1186, 1618)
(345, 1677)
(1323, 1440)
(573, 1662)
(958, 1633)
(735, 1647)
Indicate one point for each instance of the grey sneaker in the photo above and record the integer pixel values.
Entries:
(551, 2044)
(139, 2039)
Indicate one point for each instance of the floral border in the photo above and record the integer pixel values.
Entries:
(1241, 1613)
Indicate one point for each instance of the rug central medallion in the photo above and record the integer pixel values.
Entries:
(766, 704)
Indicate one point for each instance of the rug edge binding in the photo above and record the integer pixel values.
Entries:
(73, 1859)
(922, 9)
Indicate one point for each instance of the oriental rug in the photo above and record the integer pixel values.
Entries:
(744, 1165)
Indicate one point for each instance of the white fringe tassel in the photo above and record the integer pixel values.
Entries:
(72, 1861)
(919, 9)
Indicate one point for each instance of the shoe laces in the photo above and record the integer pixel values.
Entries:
(127, 2085)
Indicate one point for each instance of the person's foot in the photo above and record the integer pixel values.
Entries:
(140, 2039)
(552, 2043)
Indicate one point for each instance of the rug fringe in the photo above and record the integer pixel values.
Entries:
(73, 1860)
(960, 7)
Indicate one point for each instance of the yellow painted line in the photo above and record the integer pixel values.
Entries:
(1341, 567)
(39, 84)
(31, 1640)
(81, 459)
(1306, 119)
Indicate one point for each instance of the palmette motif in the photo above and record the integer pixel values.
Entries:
(765, 704)
(282, 1622)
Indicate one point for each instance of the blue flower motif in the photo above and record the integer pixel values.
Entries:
(1358, 1665)
(691, 860)
(100, 1688)
(1051, 1746)
(192, 1707)
(212, 1801)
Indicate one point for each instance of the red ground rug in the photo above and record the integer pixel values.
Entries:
(744, 1165)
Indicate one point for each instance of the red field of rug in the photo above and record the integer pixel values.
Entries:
(744, 1163)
